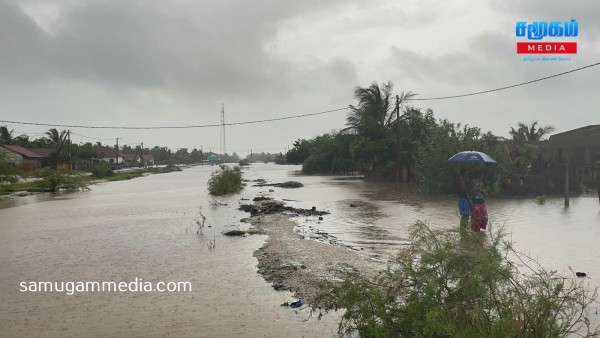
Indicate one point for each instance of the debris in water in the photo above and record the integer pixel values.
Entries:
(273, 207)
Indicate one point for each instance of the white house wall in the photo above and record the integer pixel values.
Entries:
(114, 159)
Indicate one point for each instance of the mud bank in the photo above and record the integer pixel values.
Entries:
(293, 263)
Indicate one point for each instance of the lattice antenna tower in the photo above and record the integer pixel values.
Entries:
(223, 146)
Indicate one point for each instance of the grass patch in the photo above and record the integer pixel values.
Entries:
(290, 184)
(261, 198)
(255, 232)
(51, 180)
(242, 232)
(246, 207)
(126, 175)
(234, 233)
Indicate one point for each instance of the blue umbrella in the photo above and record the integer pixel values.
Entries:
(472, 156)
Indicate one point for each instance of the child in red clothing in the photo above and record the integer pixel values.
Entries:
(479, 216)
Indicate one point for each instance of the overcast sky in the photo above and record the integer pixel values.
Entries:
(173, 63)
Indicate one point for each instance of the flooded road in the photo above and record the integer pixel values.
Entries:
(146, 228)
(142, 228)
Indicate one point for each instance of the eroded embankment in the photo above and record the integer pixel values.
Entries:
(293, 263)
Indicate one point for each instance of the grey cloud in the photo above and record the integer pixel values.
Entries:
(476, 66)
(199, 49)
(23, 50)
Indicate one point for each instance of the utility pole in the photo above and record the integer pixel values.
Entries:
(250, 155)
(399, 150)
(117, 152)
(64, 139)
(567, 184)
(142, 156)
(69, 149)
(223, 128)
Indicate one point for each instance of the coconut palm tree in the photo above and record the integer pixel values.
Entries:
(6, 137)
(54, 137)
(525, 133)
(370, 115)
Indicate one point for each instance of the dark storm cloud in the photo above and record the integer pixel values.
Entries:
(23, 48)
(195, 49)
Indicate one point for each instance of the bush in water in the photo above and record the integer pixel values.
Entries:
(53, 180)
(102, 170)
(457, 284)
(225, 181)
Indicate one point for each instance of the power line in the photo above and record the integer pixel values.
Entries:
(302, 115)
(174, 127)
(128, 142)
(507, 87)
(93, 138)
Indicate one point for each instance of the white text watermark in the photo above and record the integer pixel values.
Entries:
(136, 285)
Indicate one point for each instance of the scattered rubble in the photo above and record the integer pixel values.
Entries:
(267, 207)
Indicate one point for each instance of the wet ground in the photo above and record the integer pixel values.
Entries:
(146, 228)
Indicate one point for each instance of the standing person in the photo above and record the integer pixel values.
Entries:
(464, 202)
(479, 216)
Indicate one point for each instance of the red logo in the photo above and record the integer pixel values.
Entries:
(546, 47)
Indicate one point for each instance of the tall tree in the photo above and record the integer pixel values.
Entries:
(22, 140)
(533, 132)
(6, 137)
(55, 137)
(369, 117)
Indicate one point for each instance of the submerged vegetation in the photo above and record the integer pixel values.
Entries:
(389, 142)
(101, 170)
(453, 284)
(52, 180)
(251, 231)
(225, 181)
(290, 184)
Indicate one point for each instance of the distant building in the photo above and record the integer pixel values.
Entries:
(212, 159)
(23, 158)
(579, 148)
(110, 155)
(147, 160)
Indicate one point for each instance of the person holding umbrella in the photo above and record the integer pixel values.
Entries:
(479, 216)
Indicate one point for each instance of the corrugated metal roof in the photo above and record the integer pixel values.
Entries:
(22, 151)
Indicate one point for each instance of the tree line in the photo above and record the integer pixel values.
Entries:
(85, 152)
(385, 141)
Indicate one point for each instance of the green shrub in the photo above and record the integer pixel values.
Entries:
(102, 170)
(290, 184)
(225, 181)
(458, 284)
(310, 166)
(234, 233)
(541, 199)
(53, 180)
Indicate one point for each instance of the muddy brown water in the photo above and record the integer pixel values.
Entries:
(146, 228)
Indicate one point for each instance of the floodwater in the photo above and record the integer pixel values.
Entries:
(146, 228)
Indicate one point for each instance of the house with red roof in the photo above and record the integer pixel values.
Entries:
(110, 155)
(27, 159)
